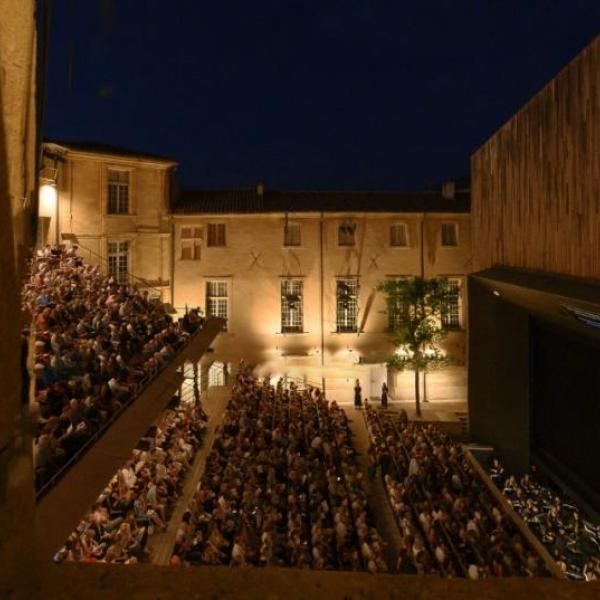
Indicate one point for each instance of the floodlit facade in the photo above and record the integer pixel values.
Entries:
(114, 205)
(294, 273)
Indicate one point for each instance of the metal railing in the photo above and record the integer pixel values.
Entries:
(130, 277)
(301, 383)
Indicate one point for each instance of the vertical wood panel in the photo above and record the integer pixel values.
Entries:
(536, 182)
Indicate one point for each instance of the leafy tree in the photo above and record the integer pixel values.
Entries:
(416, 306)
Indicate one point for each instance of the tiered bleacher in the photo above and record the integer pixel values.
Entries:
(97, 341)
(449, 522)
(555, 519)
(139, 499)
(281, 487)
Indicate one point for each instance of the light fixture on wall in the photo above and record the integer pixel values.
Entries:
(496, 293)
(48, 198)
(48, 201)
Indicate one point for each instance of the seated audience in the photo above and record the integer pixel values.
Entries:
(138, 500)
(96, 341)
(555, 519)
(449, 522)
(281, 487)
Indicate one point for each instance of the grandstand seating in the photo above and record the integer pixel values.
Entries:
(448, 520)
(98, 342)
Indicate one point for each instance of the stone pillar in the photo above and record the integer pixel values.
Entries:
(17, 185)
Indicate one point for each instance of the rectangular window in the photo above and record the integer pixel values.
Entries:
(346, 305)
(346, 234)
(450, 310)
(399, 235)
(216, 374)
(191, 243)
(216, 234)
(398, 312)
(292, 309)
(217, 300)
(449, 234)
(118, 192)
(118, 260)
(291, 234)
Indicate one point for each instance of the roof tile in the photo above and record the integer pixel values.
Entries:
(248, 200)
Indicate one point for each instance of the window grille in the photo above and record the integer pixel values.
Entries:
(217, 299)
(347, 305)
(292, 305)
(450, 310)
(118, 260)
(398, 312)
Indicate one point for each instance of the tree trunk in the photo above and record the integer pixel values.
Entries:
(417, 393)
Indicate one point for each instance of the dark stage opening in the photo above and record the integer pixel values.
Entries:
(565, 407)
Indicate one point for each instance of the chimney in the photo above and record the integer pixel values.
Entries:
(260, 188)
(448, 190)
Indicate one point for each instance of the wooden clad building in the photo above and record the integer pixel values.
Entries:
(534, 300)
(536, 182)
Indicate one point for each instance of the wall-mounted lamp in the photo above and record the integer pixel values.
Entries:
(48, 199)
(496, 293)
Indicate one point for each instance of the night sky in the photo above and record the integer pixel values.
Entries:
(305, 94)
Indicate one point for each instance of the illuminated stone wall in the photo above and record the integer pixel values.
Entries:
(82, 196)
(254, 261)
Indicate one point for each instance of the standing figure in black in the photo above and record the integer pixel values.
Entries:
(384, 395)
(357, 395)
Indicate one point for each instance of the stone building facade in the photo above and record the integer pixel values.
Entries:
(114, 205)
(294, 273)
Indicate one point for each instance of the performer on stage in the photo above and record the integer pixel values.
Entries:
(357, 395)
(384, 395)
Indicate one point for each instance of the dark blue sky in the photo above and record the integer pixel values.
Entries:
(305, 94)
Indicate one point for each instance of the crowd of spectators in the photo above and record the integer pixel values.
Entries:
(138, 500)
(555, 519)
(281, 487)
(448, 520)
(95, 340)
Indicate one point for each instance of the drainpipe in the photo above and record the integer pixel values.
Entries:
(423, 277)
(423, 245)
(321, 300)
(172, 265)
(169, 175)
(57, 232)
